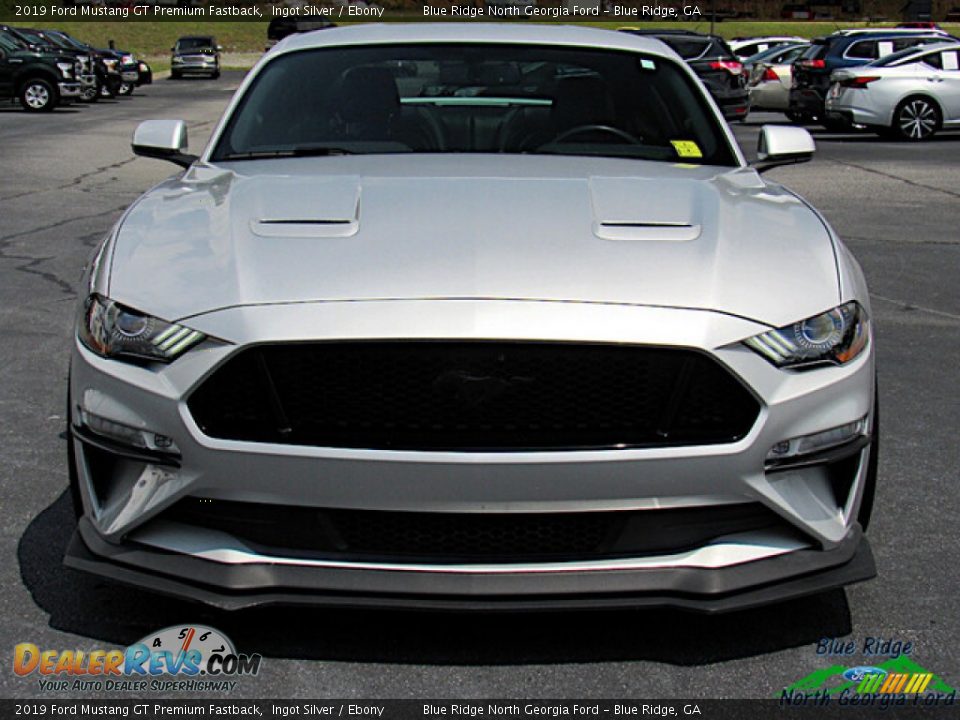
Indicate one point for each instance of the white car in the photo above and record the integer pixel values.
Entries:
(911, 94)
(519, 328)
(771, 78)
(745, 47)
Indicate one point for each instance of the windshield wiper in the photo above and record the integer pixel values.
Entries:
(303, 151)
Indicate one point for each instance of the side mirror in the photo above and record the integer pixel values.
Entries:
(164, 140)
(219, 48)
(783, 145)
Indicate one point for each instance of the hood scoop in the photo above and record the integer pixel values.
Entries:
(301, 207)
(640, 209)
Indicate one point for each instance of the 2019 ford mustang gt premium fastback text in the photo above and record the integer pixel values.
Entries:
(473, 317)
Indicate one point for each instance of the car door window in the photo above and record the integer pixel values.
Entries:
(863, 50)
(932, 60)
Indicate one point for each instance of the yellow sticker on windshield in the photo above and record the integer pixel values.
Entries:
(686, 148)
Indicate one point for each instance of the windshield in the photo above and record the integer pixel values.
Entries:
(193, 43)
(66, 41)
(9, 43)
(475, 98)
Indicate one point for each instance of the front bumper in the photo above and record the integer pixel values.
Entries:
(701, 590)
(125, 535)
(70, 89)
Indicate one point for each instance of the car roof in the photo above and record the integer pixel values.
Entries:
(458, 33)
(891, 31)
(195, 37)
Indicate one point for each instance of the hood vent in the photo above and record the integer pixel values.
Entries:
(663, 231)
(304, 228)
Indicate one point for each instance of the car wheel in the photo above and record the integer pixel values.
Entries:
(916, 118)
(870, 481)
(125, 89)
(215, 74)
(175, 75)
(90, 93)
(38, 95)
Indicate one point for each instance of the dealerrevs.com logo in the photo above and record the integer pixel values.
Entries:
(182, 657)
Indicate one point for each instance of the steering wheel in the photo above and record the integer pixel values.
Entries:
(580, 129)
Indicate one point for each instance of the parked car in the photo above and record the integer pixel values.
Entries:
(775, 55)
(195, 55)
(911, 94)
(771, 77)
(521, 330)
(107, 74)
(40, 79)
(842, 49)
(90, 67)
(128, 66)
(281, 27)
(744, 47)
(714, 63)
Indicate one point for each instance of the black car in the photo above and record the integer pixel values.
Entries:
(90, 67)
(106, 77)
(39, 78)
(715, 64)
(842, 49)
(195, 54)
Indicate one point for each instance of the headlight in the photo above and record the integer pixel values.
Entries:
(66, 69)
(110, 329)
(836, 336)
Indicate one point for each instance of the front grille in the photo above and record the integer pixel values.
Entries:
(370, 535)
(473, 396)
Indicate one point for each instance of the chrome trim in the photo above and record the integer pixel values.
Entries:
(222, 548)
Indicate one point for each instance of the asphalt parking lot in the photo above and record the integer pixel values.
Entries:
(65, 177)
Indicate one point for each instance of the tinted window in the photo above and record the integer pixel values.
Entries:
(865, 49)
(194, 43)
(816, 51)
(896, 58)
(691, 48)
(8, 44)
(475, 98)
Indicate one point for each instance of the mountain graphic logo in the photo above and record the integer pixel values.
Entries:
(896, 675)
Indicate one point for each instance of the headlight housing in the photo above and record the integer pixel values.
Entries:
(835, 337)
(111, 329)
(66, 69)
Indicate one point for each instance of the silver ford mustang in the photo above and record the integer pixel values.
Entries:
(475, 317)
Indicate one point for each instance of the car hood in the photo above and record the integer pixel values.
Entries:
(506, 227)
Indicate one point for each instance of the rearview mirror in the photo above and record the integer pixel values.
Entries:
(164, 140)
(783, 145)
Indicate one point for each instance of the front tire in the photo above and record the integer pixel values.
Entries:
(39, 95)
(90, 93)
(916, 119)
